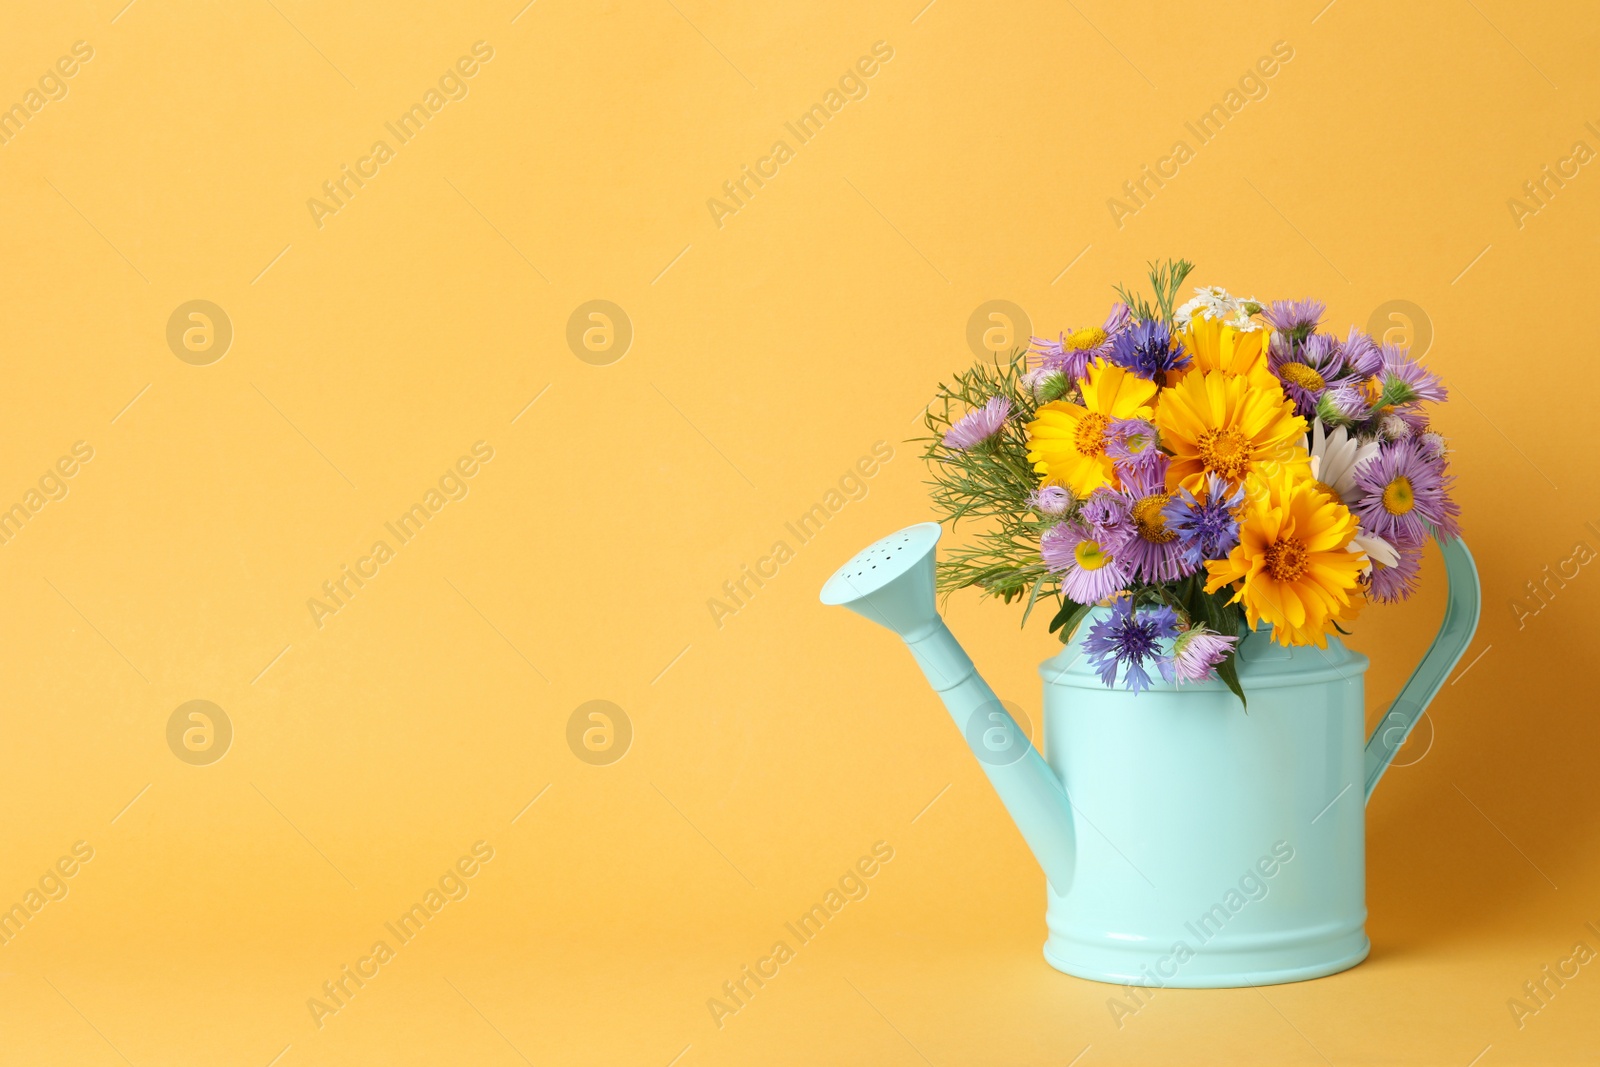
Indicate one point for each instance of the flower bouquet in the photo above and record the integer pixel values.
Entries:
(1194, 468)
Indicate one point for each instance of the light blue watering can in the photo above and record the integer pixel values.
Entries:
(1186, 841)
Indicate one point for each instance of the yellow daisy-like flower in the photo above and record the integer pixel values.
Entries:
(1067, 442)
(1225, 424)
(1215, 345)
(1291, 563)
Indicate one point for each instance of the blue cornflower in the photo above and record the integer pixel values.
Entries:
(1149, 350)
(1130, 639)
(1206, 529)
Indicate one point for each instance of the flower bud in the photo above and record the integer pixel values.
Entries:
(1051, 500)
(1341, 406)
(1046, 384)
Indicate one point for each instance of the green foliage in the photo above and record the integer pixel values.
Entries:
(1067, 619)
(989, 483)
(1166, 278)
(1214, 610)
(1136, 302)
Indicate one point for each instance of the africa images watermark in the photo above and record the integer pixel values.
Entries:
(852, 486)
(52, 885)
(1254, 885)
(852, 85)
(1552, 979)
(853, 885)
(1540, 594)
(337, 192)
(1537, 192)
(339, 991)
(337, 592)
(51, 86)
(52, 485)
(1252, 85)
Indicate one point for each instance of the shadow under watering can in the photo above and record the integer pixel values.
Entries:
(1185, 841)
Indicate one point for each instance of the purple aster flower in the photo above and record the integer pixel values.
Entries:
(1088, 572)
(979, 425)
(1149, 350)
(1294, 318)
(1322, 350)
(1130, 639)
(1052, 354)
(1401, 492)
(1387, 585)
(1072, 353)
(1106, 512)
(1434, 446)
(1361, 355)
(1406, 381)
(1206, 528)
(1051, 500)
(1343, 405)
(1144, 541)
(1307, 369)
(1118, 319)
(1130, 438)
(1450, 512)
(1196, 653)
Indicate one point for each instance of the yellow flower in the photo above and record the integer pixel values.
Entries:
(1214, 345)
(1228, 425)
(1067, 442)
(1291, 563)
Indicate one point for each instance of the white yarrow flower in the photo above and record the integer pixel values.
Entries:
(1213, 301)
(1240, 320)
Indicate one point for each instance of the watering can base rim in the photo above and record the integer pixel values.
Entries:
(1302, 966)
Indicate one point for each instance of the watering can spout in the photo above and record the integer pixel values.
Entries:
(891, 582)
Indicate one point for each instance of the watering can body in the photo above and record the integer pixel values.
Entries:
(1215, 846)
(1186, 841)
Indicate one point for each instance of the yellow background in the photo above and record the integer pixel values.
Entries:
(769, 355)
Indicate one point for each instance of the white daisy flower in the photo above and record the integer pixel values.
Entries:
(1336, 457)
(1375, 549)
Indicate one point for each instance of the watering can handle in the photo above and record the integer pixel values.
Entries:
(1461, 608)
